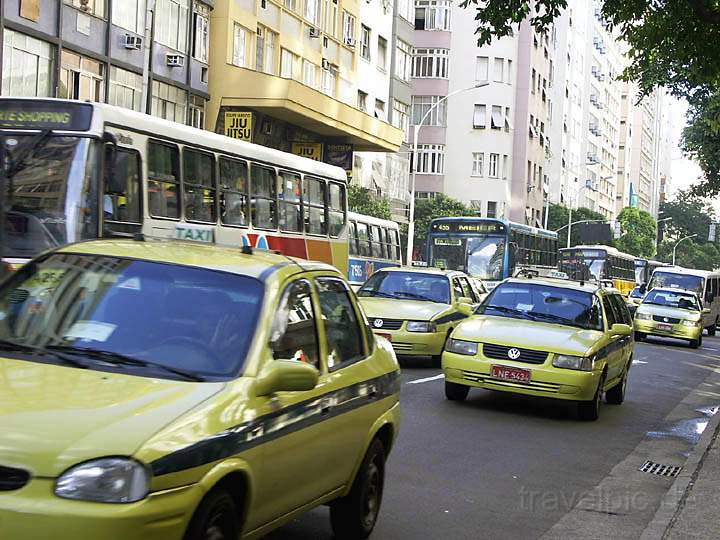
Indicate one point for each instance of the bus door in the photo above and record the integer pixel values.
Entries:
(122, 192)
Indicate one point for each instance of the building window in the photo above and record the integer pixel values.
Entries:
(432, 15)
(481, 68)
(27, 66)
(171, 25)
(365, 42)
(492, 209)
(403, 60)
(310, 77)
(197, 112)
(431, 159)
(405, 9)
(425, 194)
(380, 109)
(201, 32)
(505, 167)
(348, 29)
(291, 5)
(93, 7)
(312, 11)
(130, 15)
(496, 119)
(288, 64)
(382, 53)
(169, 102)
(477, 163)
(125, 89)
(494, 166)
(265, 50)
(362, 101)
(329, 81)
(240, 46)
(81, 77)
(479, 114)
(422, 104)
(498, 75)
(430, 63)
(401, 116)
(331, 17)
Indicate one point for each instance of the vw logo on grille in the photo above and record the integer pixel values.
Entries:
(378, 323)
(514, 354)
(666, 319)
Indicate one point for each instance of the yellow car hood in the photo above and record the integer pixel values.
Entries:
(528, 335)
(53, 417)
(671, 312)
(390, 308)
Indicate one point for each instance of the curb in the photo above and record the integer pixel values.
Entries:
(674, 500)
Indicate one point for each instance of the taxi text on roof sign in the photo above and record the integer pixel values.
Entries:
(195, 233)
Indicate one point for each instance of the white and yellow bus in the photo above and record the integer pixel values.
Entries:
(599, 263)
(86, 170)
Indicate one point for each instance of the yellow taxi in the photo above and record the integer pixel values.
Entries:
(417, 308)
(547, 338)
(673, 313)
(164, 390)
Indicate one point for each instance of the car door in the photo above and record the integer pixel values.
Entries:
(627, 341)
(469, 291)
(620, 344)
(614, 347)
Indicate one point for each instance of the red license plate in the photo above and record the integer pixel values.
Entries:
(665, 327)
(511, 374)
(386, 336)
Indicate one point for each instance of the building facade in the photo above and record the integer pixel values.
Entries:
(111, 51)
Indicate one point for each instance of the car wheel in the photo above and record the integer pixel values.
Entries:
(590, 410)
(456, 392)
(696, 343)
(436, 360)
(639, 336)
(353, 517)
(215, 519)
(616, 395)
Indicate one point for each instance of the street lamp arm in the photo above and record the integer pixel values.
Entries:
(678, 243)
(581, 221)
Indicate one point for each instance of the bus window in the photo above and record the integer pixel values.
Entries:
(376, 241)
(352, 238)
(314, 201)
(289, 193)
(396, 245)
(121, 201)
(234, 186)
(336, 212)
(264, 214)
(363, 239)
(388, 244)
(163, 180)
(199, 186)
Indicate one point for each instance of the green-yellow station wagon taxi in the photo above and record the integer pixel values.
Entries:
(417, 308)
(547, 338)
(165, 391)
(673, 313)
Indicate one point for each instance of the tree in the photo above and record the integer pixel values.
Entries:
(428, 209)
(691, 254)
(639, 233)
(689, 215)
(701, 141)
(558, 218)
(363, 201)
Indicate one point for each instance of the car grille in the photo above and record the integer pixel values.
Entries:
(387, 324)
(550, 388)
(11, 479)
(666, 320)
(500, 352)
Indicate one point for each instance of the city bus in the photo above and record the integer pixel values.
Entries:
(86, 170)
(490, 249)
(374, 243)
(705, 284)
(601, 263)
(644, 269)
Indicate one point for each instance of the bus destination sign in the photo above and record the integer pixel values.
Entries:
(490, 227)
(28, 114)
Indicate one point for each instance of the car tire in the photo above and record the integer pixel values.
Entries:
(215, 519)
(436, 360)
(589, 411)
(639, 336)
(353, 517)
(696, 343)
(712, 330)
(616, 395)
(456, 392)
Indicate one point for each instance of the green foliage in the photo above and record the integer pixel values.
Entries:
(701, 140)
(689, 215)
(639, 233)
(691, 255)
(363, 201)
(428, 209)
(558, 217)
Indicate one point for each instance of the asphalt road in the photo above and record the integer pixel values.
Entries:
(503, 466)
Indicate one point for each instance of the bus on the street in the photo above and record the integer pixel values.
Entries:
(599, 263)
(374, 243)
(490, 249)
(77, 171)
(644, 269)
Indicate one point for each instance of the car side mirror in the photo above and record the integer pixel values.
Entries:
(286, 376)
(623, 330)
(465, 308)
(706, 311)
(464, 300)
(643, 288)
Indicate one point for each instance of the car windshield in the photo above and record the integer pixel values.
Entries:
(635, 293)
(671, 280)
(545, 303)
(672, 299)
(148, 318)
(481, 256)
(408, 286)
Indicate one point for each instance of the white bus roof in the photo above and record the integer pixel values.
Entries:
(686, 271)
(370, 220)
(610, 250)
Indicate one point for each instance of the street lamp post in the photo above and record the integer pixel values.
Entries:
(657, 238)
(678, 243)
(416, 131)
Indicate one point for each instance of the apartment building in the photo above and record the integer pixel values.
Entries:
(111, 51)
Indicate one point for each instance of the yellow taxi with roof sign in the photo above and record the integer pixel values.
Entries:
(673, 313)
(547, 338)
(167, 390)
(417, 308)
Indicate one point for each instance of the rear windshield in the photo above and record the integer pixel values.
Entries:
(145, 318)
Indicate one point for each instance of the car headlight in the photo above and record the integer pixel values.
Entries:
(421, 326)
(580, 363)
(692, 324)
(459, 346)
(109, 480)
(643, 316)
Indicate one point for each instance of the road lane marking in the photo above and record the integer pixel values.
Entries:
(639, 362)
(426, 379)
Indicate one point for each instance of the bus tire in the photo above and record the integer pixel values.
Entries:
(639, 336)
(711, 330)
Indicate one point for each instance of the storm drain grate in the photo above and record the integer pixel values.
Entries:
(660, 469)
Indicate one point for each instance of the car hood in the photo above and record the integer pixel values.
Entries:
(528, 335)
(389, 308)
(670, 312)
(53, 417)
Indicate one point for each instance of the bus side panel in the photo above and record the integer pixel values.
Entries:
(287, 245)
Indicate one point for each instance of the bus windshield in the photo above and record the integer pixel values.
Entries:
(52, 181)
(481, 256)
(671, 280)
(583, 264)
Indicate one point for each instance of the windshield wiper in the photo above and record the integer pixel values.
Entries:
(118, 359)
(510, 311)
(556, 318)
(421, 297)
(376, 293)
(7, 345)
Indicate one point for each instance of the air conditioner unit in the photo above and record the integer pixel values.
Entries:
(350, 42)
(325, 63)
(601, 77)
(175, 60)
(593, 158)
(594, 70)
(132, 42)
(314, 32)
(593, 99)
(597, 41)
(598, 12)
